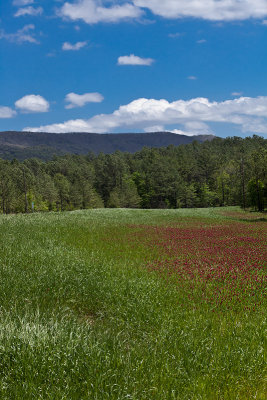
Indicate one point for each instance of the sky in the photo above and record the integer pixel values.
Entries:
(187, 66)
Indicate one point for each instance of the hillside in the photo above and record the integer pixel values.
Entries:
(23, 145)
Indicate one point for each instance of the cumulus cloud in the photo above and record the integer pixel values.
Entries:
(134, 60)
(79, 100)
(25, 34)
(213, 10)
(7, 112)
(248, 113)
(29, 11)
(76, 46)
(32, 103)
(93, 11)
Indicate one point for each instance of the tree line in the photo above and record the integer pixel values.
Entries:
(220, 172)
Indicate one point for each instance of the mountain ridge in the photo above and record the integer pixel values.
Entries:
(43, 145)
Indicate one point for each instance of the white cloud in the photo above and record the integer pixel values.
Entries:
(192, 78)
(187, 133)
(7, 112)
(237, 94)
(22, 2)
(192, 128)
(201, 41)
(264, 22)
(79, 100)
(93, 12)
(32, 103)
(156, 128)
(22, 35)
(29, 11)
(213, 10)
(181, 132)
(249, 113)
(134, 60)
(76, 46)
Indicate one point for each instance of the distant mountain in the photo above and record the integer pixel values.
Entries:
(23, 145)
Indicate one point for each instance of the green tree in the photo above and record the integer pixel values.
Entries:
(7, 186)
(187, 197)
(63, 187)
(125, 195)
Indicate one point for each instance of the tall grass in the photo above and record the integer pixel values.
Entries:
(82, 317)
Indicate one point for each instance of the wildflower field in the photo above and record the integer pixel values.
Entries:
(117, 304)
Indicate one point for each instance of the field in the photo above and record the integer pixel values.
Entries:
(133, 304)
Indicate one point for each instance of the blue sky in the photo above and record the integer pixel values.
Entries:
(193, 67)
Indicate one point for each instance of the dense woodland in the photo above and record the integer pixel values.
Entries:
(220, 172)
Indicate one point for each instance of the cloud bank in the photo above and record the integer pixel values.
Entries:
(248, 113)
(32, 103)
(93, 11)
(213, 10)
(79, 100)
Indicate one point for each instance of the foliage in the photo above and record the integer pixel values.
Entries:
(220, 172)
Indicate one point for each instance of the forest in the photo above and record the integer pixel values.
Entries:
(214, 173)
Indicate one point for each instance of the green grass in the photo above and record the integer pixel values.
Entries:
(82, 317)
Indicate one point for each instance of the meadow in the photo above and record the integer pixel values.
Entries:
(115, 304)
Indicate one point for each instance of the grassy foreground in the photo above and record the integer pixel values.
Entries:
(133, 304)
